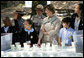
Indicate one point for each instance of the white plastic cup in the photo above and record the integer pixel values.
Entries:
(25, 44)
(17, 43)
(18, 47)
(43, 45)
(63, 44)
(47, 44)
(12, 47)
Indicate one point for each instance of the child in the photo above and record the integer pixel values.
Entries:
(28, 33)
(66, 32)
(7, 28)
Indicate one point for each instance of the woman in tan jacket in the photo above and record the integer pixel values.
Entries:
(50, 26)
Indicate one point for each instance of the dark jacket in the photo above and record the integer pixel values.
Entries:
(16, 25)
(10, 29)
(19, 24)
(24, 36)
(15, 36)
(73, 17)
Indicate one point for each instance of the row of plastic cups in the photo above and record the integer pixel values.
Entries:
(27, 47)
(17, 46)
(63, 44)
(44, 46)
(48, 47)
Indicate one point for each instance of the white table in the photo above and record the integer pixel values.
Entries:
(59, 52)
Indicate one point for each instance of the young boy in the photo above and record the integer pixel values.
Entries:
(28, 33)
(7, 28)
(66, 33)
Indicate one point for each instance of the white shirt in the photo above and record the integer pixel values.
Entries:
(76, 25)
(6, 29)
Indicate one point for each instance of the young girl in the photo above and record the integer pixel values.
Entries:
(28, 33)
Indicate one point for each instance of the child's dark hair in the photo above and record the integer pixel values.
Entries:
(30, 22)
(66, 20)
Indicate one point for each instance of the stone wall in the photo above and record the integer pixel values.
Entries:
(10, 3)
(65, 4)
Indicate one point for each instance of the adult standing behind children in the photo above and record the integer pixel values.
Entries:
(19, 21)
(38, 18)
(77, 18)
(50, 27)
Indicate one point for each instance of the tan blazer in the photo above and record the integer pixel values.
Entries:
(52, 29)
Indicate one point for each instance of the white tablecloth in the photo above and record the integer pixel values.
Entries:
(58, 52)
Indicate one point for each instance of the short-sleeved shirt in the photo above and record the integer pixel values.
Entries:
(37, 21)
(66, 35)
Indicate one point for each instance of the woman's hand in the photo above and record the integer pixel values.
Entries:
(39, 42)
(46, 33)
(43, 30)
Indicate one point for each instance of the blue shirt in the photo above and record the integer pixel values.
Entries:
(66, 35)
(28, 31)
(32, 30)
